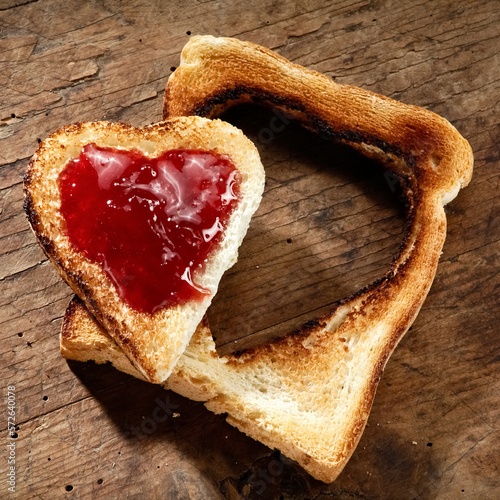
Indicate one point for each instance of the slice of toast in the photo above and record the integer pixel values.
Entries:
(154, 341)
(310, 393)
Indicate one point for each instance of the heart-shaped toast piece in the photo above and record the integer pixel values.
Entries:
(143, 222)
(309, 393)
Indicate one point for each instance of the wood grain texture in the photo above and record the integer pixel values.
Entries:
(329, 224)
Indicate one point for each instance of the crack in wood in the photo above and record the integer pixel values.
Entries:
(477, 443)
(17, 273)
(43, 306)
(28, 2)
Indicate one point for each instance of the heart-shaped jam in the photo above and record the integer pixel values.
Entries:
(151, 223)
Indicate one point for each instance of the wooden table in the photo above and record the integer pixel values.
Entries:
(329, 224)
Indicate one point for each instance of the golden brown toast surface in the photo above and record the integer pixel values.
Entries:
(153, 342)
(310, 393)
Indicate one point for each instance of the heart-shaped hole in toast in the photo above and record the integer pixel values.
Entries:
(330, 222)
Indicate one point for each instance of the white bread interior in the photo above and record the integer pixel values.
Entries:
(152, 342)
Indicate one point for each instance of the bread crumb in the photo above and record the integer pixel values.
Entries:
(175, 415)
(414, 442)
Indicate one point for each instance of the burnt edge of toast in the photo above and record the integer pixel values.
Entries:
(213, 105)
(219, 102)
(69, 316)
(48, 246)
(34, 220)
(410, 199)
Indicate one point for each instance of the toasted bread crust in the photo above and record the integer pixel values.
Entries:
(216, 73)
(153, 342)
(310, 393)
(74, 346)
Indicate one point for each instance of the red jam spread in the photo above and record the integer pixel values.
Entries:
(151, 223)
